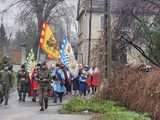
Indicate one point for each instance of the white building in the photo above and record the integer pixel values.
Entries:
(83, 17)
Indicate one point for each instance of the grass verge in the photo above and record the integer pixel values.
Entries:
(105, 110)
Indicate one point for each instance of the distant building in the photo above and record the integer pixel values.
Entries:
(83, 16)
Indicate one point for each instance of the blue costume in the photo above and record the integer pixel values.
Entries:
(83, 84)
(58, 84)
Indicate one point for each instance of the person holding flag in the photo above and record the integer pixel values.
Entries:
(44, 83)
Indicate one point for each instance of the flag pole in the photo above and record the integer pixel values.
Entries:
(38, 53)
(39, 37)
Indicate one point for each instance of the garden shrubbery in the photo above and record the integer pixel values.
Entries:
(136, 89)
(105, 110)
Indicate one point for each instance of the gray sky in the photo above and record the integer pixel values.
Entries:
(10, 15)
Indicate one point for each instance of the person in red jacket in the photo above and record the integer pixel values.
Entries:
(95, 78)
(34, 82)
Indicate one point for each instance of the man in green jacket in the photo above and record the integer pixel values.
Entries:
(5, 84)
(22, 83)
(44, 83)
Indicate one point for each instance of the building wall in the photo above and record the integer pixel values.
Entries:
(84, 34)
(97, 26)
(133, 57)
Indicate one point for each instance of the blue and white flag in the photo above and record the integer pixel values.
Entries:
(67, 56)
(64, 56)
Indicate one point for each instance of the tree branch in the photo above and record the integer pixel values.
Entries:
(141, 51)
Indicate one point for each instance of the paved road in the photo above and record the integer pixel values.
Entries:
(29, 111)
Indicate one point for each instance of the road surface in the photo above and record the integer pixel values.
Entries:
(30, 111)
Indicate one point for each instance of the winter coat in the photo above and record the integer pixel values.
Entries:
(95, 77)
(82, 82)
(58, 87)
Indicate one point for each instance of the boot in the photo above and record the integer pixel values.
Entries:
(20, 95)
(24, 100)
(42, 109)
(1, 100)
(46, 103)
(20, 99)
(24, 97)
(33, 100)
(6, 103)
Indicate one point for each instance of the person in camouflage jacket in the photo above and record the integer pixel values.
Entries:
(5, 84)
(44, 84)
(22, 83)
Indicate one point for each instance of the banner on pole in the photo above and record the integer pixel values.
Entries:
(68, 57)
(48, 42)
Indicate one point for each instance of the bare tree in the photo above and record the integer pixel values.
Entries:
(98, 58)
(42, 10)
(131, 15)
(66, 15)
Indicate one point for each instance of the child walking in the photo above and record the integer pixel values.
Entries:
(58, 84)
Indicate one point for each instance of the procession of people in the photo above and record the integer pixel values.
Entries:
(55, 81)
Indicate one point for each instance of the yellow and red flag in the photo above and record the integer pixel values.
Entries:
(48, 42)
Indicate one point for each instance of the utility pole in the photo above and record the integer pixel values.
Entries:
(107, 38)
(90, 33)
(38, 38)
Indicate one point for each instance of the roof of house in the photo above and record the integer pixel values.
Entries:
(85, 5)
(141, 6)
(98, 6)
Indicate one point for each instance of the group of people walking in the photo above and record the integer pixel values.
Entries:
(45, 82)
(87, 81)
